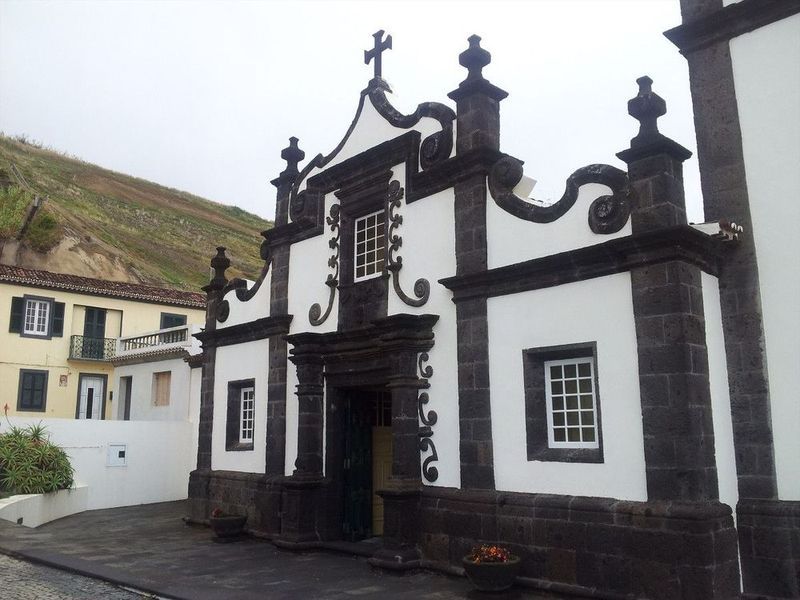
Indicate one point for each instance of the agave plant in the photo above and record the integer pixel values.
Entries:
(31, 464)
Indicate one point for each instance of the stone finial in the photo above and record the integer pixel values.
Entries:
(292, 155)
(219, 263)
(646, 108)
(474, 58)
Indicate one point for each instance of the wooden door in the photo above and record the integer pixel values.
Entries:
(357, 473)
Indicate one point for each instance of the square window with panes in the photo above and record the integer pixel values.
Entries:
(562, 403)
(571, 415)
(240, 418)
(247, 415)
(370, 246)
(33, 316)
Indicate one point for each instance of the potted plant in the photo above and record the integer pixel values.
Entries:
(227, 527)
(491, 568)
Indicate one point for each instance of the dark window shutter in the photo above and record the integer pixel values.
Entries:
(58, 319)
(17, 311)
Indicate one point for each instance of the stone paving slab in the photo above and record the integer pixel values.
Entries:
(149, 548)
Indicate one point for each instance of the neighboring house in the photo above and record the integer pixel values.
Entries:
(156, 375)
(434, 358)
(63, 335)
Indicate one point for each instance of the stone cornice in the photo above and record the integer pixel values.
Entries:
(682, 243)
(245, 332)
(730, 22)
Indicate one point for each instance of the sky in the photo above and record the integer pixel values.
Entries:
(202, 96)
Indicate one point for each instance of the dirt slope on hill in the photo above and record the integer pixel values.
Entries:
(99, 223)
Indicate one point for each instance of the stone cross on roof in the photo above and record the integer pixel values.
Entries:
(376, 51)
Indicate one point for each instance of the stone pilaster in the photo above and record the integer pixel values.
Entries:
(670, 322)
(768, 541)
(213, 291)
(478, 129)
(301, 491)
(278, 254)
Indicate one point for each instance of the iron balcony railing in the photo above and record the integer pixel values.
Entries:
(156, 341)
(87, 348)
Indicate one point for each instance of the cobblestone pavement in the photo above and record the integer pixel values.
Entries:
(21, 580)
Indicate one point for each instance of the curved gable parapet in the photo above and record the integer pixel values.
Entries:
(433, 148)
(240, 287)
(607, 214)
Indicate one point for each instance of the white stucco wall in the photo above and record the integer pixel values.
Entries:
(428, 251)
(599, 310)
(511, 240)
(255, 308)
(720, 396)
(158, 456)
(766, 69)
(233, 363)
(308, 271)
(142, 408)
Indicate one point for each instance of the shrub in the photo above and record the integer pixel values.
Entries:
(44, 232)
(31, 464)
(14, 203)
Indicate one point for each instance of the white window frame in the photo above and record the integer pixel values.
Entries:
(247, 413)
(380, 264)
(40, 317)
(590, 379)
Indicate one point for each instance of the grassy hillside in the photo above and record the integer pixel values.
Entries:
(160, 234)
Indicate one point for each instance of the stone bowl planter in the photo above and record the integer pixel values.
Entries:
(491, 576)
(228, 527)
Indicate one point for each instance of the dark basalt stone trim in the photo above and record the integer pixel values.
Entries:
(296, 231)
(580, 506)
(600, 547)
(769, 532)
(729, 22)
(683, 243)
(245, 332)
(608, 218)
(194, 360)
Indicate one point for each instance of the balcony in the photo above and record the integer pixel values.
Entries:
(156, 342)
(86, 348)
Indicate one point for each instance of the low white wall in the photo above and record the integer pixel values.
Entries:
(158, 457)
(32, 510)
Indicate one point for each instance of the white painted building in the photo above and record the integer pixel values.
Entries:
(436, 358)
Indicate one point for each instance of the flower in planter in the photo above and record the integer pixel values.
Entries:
(489, 553)
(217, 513)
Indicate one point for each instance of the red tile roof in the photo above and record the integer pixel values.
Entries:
(101, 287)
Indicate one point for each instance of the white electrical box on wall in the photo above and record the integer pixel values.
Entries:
(117, 455)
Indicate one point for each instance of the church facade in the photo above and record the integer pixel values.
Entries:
(432, 359)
